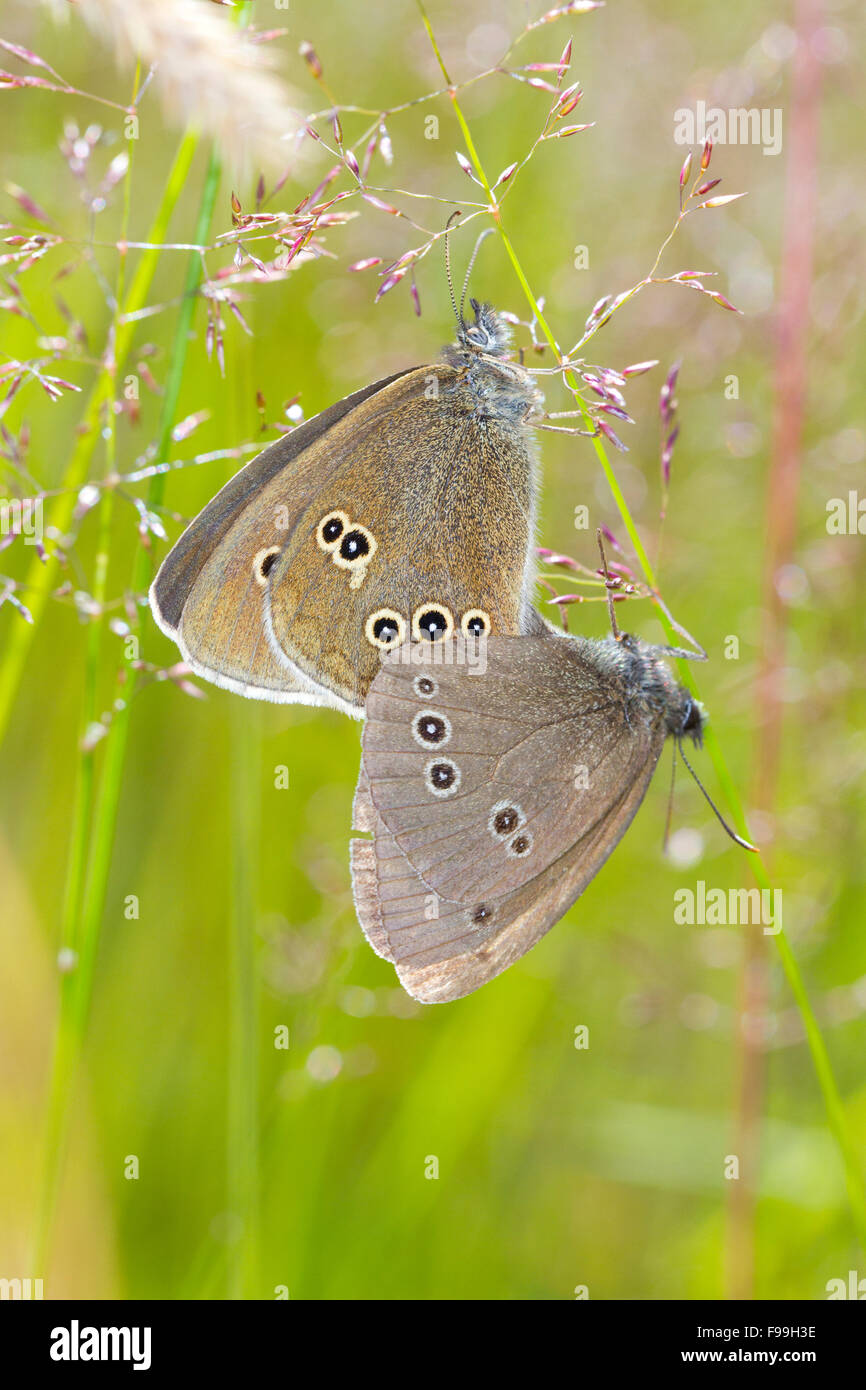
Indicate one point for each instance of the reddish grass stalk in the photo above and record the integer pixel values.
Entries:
(780, 528)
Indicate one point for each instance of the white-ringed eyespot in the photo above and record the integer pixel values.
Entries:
(385, 629)
(330, 529)
(263, 563)
(442, 776)
(475, 623)
(432, 622)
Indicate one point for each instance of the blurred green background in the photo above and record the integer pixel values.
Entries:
(259, 1167)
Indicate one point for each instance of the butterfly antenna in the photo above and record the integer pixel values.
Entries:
(488, 232)
(458, 313)
(724, 824)
(613, 624)
(670, 813)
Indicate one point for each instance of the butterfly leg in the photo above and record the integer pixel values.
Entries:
(564, 429)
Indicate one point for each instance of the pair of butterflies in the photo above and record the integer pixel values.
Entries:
(365, 561)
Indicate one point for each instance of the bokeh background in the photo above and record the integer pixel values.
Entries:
(261, 1168)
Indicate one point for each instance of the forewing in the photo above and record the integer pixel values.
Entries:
(444, 494)
(207, 596)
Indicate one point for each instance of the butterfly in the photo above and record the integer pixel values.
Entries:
(404, 512)
(494, 798)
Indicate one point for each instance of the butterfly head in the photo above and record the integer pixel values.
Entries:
(488, 333)
(500, 389)
(692, 717)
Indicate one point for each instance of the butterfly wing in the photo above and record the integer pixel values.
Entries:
(487, 779)
(208, 594)
(444, 950)
(436, 494)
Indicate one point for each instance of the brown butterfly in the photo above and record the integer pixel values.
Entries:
(405, 511)
(494, 798)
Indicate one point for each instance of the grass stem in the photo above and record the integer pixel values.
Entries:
(42, 576)
(94, 835)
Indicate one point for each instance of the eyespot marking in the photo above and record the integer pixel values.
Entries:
(432, 622)
(425, 686)
(431, 729)
(385, 629)
(475, 623)
(263, 563)
(481, 913)
(520, 845)
(330, 529)
(355, 545)
(355, 550)
(442, 776)
(505, 818)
